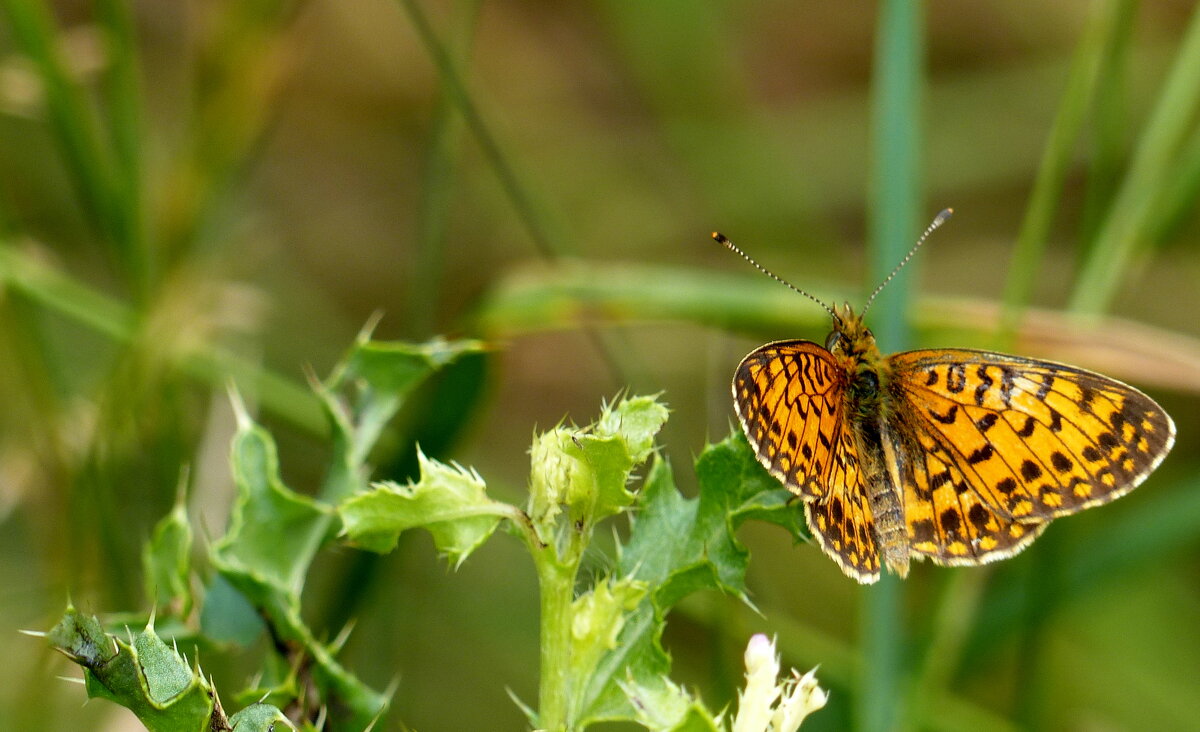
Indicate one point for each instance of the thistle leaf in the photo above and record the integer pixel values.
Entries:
(449, 501)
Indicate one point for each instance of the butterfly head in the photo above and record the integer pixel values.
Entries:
(851, 337)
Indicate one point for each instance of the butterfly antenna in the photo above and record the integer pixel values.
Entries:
(938, 220)
(733, 248)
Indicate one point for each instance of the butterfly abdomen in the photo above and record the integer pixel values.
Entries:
(865, 407)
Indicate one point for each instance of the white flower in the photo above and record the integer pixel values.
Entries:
(797, 696)
(801, 697)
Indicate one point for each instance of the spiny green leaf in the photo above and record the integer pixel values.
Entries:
(678, 546)
(666, 707)
(450, 501)
(260, 718)
(365, 390)
(681, 545)
(82, 639)
(147, 676)
(265, 554)
(598, 616)
(588, 470)
(166, 562)
(635, 420)
(273, 532)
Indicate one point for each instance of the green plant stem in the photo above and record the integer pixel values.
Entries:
(124, 101)
(895, 199)
(956, 609)
(557, 548)
(556, 581)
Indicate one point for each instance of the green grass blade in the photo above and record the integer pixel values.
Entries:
(1123, 231)
(124, 105)
(1099, 36)
(1177, 205)
(453, 86)
(1107, 143)
(215, 366)
(895, 201)
(74, 124)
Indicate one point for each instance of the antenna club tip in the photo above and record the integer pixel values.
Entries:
(945, 214)
(719, 237)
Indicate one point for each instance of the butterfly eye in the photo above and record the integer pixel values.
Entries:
(832, 340)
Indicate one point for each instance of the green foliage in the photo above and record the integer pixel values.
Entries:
(145, 675)
(167, 562)
(261, 563)
(363, 393)
(448, 500)
(601, 646)
(273, 532)
(678, 546)
(259, 718)
(124, 210)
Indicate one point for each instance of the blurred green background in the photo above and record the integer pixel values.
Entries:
(198, 192)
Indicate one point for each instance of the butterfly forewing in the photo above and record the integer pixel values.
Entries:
(789, 400)
(1033, 440)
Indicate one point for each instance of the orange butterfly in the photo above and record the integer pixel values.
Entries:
(959, 455)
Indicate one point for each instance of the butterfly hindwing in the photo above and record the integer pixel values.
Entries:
(789, 397)
(842, 521)
(1033, 439)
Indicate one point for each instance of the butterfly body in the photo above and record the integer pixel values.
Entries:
(853, 348)
(957, 455)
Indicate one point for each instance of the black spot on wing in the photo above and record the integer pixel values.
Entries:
(981, 454)
(1030, 470)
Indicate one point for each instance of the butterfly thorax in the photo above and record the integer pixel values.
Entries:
(867, 407)
(854, 345)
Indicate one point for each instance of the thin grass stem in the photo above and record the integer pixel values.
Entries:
(455, 90)
(1100, 34)
(124, 106)
(893, 216)
(1123, 232)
